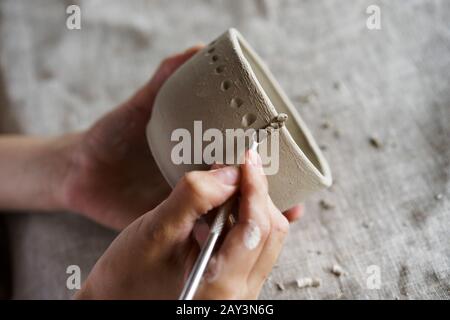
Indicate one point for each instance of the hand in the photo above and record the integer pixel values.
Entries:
(112, 177)
(152, 257)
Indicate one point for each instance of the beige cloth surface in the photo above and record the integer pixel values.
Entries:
(392, 84)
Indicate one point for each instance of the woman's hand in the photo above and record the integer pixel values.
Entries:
(152, 257)
(112, 177)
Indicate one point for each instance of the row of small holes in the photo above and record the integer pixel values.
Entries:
(249, 118)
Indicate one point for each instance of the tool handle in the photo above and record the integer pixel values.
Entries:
(223, 212)
(201, 263)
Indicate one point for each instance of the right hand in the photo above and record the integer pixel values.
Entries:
(153, 256)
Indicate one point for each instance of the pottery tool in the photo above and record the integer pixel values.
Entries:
(223, 212)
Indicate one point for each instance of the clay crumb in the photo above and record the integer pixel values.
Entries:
(281, 117)
(439, 196)
(277, 122)
(337, 134)
(316, 283)
(337, 270)
(325, 205)
(308, 282)
(336, 85)
(325, 125)
(375, 142)
(280, 286)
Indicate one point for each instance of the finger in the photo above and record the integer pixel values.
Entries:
(271, 250)
(197, 193)
(201, 227)
(294, 213)
(145, 97)
(243, 244)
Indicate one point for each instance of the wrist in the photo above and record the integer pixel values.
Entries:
(62, 153)
(37, 167)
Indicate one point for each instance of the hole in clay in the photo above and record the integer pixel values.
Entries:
(212, 43)
(215, 58)
(248, 119)
(226, 84)
(236, 102)
(220, 69)
(211, 50)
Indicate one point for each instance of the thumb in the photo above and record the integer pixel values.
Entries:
(196, 194)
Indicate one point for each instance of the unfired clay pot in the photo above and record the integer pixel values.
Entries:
(226, 85)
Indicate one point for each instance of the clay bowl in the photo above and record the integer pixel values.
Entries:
(226, 85)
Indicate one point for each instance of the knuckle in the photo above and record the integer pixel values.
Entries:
(191, 184)
(281, 225)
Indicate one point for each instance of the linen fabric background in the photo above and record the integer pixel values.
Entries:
(390, 205)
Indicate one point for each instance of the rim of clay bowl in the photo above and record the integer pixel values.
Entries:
(245, 53)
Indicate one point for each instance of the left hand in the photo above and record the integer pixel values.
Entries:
(112, 177)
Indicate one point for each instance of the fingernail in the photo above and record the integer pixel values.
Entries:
(253, 158)
(194, 48)
(227, 175)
